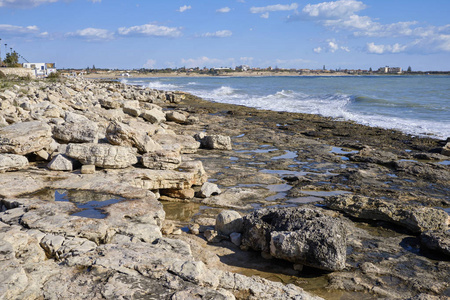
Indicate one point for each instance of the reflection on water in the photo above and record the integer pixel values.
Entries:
(180, 211)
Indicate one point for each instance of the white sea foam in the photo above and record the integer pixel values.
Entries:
(158, 85)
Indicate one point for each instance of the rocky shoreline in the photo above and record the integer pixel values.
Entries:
(115, 191)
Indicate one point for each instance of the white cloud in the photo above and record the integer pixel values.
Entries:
(276, 7)
(205, 62)
(265, 15)
(218, 34)
(246, 59)
(224, 10)
(18, 30)
(337, 9)
(24, 3)
(92, 34)
(184, 8)
(318, 50)
(330, 46)
(150, 64)
(95, 1)
(150, 30)
(381, 49)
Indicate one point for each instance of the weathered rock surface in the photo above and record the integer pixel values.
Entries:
(229, 221)
(60, 163)
(161, 159)
(12, 162)
(218, 142)
(415, 218)
(187, 143)
(176, 117)
(209, 189)
(103, 155)
(26, 137)
(436, 240)
(76, 129)
(300, 235)
(154, 116)
(124, 135)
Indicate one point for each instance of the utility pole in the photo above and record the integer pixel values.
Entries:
(1, 63)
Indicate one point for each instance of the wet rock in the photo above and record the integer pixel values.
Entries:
(371, 155)
(60, 163)
(12, 162)
(103, 155)
(24, 138)
(76, 129)
(209, 189)
(300, 235)
(188, 144)
(124, 135)
(161, 159)
(229, 221)
(446, 149)
(432, 172)
(436, 240)
(415, 218)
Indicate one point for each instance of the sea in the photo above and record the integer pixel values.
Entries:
(414, 104)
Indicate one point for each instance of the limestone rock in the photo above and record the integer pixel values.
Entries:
(154, 116)
(76, 129)
(161, 160)
(103, 155)
(229, 221)
(178, 193)
(188, 144)
(176, 117)
(60, 163)
(446, 149)
(124, 135)
(415, 218)
(436, 240)
(209, 189)
(109, 103)
(236, 238)
(218, 142)
(88, 169)
(26, 137)
(12, 162)
(300, 235)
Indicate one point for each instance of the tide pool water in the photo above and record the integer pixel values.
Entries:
(418, 105)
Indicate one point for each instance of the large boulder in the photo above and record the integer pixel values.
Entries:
(217, 142)
(103, 155)
(228, 221)
(12, 162)
(301, 235)
(154, 116)
(124, 135)
(24, 138)
(436, 240)
(60, 163)
(415, 218)
(76, 129)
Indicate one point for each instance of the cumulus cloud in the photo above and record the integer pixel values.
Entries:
(218, 34)
(381, 49)
(24, 3)
(150, 30)
(18, 30)
(150, 64)
(92, 34)
(205, 62)
(184, 8)
(224, 10)
(264, 10)
(335, 10)
(331, 46)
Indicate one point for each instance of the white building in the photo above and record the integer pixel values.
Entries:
(41, 69)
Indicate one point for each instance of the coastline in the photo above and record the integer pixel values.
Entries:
(376, 183)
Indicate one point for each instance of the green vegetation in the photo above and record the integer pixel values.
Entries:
(12, 60)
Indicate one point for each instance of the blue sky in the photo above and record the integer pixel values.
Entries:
(216, 33)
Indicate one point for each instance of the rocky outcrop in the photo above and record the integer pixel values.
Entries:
(24, 138)
(436, 240)
(218, 142)
(162, 160)
(187, 143)
(301, 235)
(103, 155)
(124, 135)
(415, 218)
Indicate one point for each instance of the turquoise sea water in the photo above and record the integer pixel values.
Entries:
(418, 105)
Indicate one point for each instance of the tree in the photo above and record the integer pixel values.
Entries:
(370, 70)
(12, 60)
(409, 69)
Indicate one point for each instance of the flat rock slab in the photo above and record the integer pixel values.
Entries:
(301, 235)
(26, 137)
(415, 218)
(103, 155)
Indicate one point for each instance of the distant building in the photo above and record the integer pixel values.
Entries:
(243, 68)
(388, 70)
(41, 69)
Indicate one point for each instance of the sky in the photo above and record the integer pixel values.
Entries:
(133, 34)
